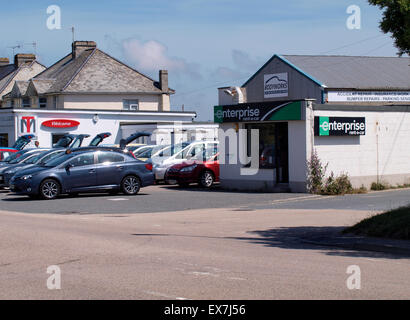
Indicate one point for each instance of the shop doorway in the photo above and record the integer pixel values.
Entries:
(273, 148)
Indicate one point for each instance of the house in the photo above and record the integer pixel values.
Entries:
(25, 67)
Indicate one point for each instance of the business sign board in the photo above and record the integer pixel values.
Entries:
(276, 85)
(272, 111)
(27, 124)
(60, 123)
(368, 96)
(339, 126)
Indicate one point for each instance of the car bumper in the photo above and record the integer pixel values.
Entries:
(160, 173)
(179, 177)
(21, 187)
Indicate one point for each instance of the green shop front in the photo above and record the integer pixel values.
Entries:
(281, 148)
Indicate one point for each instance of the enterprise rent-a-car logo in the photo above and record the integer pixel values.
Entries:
(242, 114)
(339, 126)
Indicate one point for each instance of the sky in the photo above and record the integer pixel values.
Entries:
(205, 44)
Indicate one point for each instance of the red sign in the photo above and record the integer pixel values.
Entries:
(60, 123)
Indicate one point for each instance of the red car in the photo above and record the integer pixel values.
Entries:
(195, 170)
(5, 152)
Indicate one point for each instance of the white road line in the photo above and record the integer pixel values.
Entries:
(301, 198)
(118, 199)
(159, 294)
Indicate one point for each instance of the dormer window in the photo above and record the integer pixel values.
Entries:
(42, 102)
(26, 103)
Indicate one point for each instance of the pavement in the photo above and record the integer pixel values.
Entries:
(240, 250)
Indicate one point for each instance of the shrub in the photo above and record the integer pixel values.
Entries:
(316, 173)
(376, 186)
(337, 186)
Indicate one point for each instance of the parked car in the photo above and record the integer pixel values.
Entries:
(29, 153)
(185, 154)
(23, 141)
(84, 171)
(37, 159)
(202, 169)
(167, 152)
(5, 152)
(146, 152)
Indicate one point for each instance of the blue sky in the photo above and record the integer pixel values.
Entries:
(205, 44)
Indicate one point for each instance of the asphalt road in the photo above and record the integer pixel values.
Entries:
(172, 198)
(173, 250)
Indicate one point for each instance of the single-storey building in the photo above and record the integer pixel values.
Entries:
(353, 111)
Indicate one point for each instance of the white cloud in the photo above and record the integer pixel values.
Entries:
(151, 56)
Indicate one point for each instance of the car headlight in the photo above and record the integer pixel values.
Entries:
(189, 169)
(27, 177)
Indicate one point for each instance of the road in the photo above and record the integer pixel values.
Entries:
(231, 248)
(172, 198)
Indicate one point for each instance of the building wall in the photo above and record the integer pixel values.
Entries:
(300, 87)
(381, 155)
(109, 102)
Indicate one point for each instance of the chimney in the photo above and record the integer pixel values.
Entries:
(163, 80)
(22, 58)
(4, 61)
(78, 47)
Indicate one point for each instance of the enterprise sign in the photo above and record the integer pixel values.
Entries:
(339, 126)
(272, 111)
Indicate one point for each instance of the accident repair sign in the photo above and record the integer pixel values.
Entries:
(339, 126)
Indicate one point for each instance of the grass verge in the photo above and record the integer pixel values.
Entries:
(394, 224)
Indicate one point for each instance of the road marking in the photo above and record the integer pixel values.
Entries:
(159, 294)
(301, 198)
(118, 199)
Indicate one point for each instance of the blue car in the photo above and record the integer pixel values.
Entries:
(37, 159)
(84, 171)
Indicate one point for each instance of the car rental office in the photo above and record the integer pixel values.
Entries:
(357, 122)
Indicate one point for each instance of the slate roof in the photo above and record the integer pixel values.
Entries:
(94, 71)
(7, 73)
(356, 72)
(351, 72)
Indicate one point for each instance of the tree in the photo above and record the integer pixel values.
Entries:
(396, 19)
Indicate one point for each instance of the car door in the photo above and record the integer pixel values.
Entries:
(110, 166)
(80, 174)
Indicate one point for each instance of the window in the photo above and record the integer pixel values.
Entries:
(130, 104)
(57, 138)
(4, 139)
(108, 157)
(83, 160)
(26, 102)
(42, 102)
(55, 102)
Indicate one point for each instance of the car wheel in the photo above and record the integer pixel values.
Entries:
(131, 185)
(49, 189)
(206, 179)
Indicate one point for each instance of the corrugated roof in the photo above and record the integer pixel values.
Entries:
(353, 72)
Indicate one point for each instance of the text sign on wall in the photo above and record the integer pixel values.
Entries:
(276, 85)
(368, 96)
(339, 126)
(61, 123)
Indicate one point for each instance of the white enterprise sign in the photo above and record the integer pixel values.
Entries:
(368, 96)
(276, 85)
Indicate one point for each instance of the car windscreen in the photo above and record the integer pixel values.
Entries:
(34, 158)
(20, 143)
(21, 158)
(49, 156)
(59, 160)
(14, 156)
